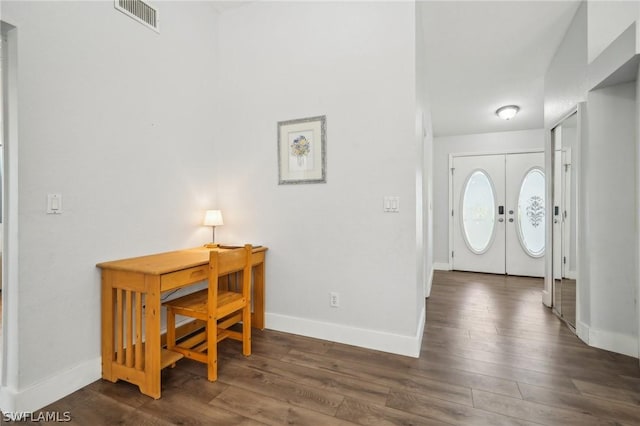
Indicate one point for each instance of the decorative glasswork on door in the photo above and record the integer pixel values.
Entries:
(531, 212)
(478, 212)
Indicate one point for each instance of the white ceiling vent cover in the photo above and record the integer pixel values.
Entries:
(141, 11)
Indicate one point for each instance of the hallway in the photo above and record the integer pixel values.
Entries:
(492, 355)
(528, 363)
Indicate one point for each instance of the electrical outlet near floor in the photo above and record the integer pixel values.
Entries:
(334, 299)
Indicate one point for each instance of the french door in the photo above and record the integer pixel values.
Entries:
(498, 214)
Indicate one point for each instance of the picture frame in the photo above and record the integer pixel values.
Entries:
(302, 150)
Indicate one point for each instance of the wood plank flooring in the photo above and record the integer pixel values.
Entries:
(492, 354)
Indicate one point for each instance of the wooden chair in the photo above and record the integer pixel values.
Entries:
(218, 308)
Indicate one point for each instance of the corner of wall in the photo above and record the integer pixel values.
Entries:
(441, 266)
(582, 331)
(611, 341)
(51, 389)
(429, 283)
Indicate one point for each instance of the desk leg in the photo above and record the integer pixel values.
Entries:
(152, 350)
(257, 318)
(107, 325)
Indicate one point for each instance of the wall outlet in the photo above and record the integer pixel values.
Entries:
(334, 299)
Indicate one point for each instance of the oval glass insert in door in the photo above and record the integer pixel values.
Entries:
(478, 212)
(531, 212)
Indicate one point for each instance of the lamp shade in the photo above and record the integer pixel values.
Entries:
(213, 218)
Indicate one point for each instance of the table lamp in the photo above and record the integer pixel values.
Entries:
(213, 218)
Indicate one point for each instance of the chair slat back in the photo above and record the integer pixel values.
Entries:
(228, 261)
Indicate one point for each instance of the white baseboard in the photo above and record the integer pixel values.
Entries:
(429, 283)
(56, 387)
(366, 338)
(608, 340)
(582, 331)
(441, 266)
(50, 390)
(421, 323)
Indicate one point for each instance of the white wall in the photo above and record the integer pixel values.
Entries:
(565, 85)
(607, 20)
(425, 136)
(609, 173)
(354, 63)
(479, 143)
(121, 121)
(637, 262)
(565, 82)
(607, 163)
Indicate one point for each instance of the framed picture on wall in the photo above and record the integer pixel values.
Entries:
(302, 150)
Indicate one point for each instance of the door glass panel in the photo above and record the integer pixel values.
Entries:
(478, 212)
(531, 227)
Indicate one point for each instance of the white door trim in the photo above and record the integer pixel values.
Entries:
(10, 343)
(451, 196)
(580, 110)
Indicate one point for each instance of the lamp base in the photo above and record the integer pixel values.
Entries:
(212, 245)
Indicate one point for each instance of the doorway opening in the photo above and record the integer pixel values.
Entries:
(497, 222)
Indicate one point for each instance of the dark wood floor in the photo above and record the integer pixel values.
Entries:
(491, 355)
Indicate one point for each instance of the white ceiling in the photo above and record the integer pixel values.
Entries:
(485, 54)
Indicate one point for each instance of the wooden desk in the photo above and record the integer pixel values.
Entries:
(131, 290)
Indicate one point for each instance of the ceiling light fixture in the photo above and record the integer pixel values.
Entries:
(507, 112)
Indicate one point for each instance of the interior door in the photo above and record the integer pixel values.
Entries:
(478, 213)
(525, 197)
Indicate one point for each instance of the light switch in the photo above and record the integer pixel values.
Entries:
(54, 203)
(391, 204)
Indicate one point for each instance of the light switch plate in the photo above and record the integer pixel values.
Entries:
(54, 203)
(391, 204)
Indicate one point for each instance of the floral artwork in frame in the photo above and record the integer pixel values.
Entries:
(302, 150)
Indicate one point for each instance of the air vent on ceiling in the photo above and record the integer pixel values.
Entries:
(140, 11)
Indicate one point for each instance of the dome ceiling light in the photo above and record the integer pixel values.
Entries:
(507, 112)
